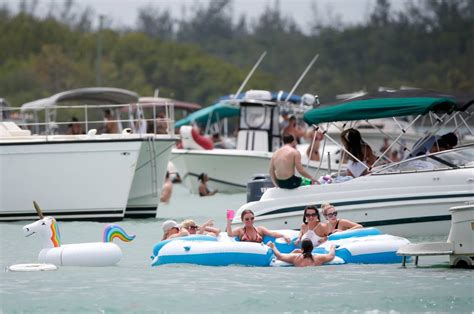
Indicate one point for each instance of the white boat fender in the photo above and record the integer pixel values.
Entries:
(32, 267)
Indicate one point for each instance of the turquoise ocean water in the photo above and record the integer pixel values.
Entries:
(135, 286)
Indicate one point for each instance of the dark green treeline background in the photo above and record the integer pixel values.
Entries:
(428, 45)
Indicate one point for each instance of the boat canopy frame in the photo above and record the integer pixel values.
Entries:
(374, 106)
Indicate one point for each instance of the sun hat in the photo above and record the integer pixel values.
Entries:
(169, 224)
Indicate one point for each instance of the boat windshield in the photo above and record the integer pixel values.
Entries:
(454, 158)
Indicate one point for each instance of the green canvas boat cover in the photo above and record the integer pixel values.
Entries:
(367, 107)
(214, 112)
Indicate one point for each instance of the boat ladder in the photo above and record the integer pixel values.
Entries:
(152, 152)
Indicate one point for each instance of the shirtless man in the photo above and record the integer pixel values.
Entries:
(306, 258)
(283, 164)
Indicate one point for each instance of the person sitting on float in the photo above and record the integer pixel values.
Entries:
(312, 228)
(250, 233)
(203, 189)
(171, 229)
(353, 143)
(206, 228)
(306, 257)
(335, 225)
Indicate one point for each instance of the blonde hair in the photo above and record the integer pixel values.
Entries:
(325, 207)
(188, 223)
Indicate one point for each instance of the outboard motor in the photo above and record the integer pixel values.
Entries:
(257, 186)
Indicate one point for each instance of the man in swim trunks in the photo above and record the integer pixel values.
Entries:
(283, 164)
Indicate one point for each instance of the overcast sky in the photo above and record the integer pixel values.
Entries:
(124, 12)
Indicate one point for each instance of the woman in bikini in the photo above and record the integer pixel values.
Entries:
(312, 228)
(334, 224)
(250, 233)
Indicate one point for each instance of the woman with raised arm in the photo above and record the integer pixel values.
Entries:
(250, 233)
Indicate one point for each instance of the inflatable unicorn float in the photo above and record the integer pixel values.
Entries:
(103, 253)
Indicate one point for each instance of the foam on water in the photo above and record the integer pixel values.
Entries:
(134, 286)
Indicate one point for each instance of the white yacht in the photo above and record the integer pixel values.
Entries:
(407, 198)
(83, 176)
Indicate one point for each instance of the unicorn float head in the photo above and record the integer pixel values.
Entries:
(80, 254)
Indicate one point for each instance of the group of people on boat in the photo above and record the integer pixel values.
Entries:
(358, 155)
(313, 232)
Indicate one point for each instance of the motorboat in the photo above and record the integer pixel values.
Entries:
(407, 198)
(89, 176)
(258, 137)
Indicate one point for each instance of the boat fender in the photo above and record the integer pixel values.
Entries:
(203, 141)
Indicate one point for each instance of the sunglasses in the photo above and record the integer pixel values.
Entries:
(310, 215)
(334, 213)
(193, 227)
(249, 218)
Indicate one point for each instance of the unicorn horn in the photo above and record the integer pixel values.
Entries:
(38, 210)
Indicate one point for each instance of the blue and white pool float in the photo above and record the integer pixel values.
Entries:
(365, 246)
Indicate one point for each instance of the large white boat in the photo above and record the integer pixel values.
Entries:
(72, 177)
(407, 198)
(88, 183)
(258, 137)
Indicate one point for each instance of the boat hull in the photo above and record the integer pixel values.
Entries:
(71, 180)
(411, 204)
(149, 177)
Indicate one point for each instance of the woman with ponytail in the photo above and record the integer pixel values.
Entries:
(306, 258)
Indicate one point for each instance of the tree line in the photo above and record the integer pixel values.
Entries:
(429, 45)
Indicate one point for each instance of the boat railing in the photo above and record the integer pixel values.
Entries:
(53, 120)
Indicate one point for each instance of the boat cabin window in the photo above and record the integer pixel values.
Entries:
(253, 117)
(462, 157)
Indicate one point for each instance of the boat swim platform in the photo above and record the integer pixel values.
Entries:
(425, 249)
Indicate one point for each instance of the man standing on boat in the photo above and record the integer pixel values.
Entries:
(283, 164)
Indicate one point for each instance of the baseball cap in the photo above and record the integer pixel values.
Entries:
(169, 224)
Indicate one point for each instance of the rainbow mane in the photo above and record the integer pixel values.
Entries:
(55, 236)
(114, 231)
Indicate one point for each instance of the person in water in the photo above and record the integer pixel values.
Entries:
(167, 189)
(203, 189)
(334, 224)
(312, 228)
(250, 233)
(171, 229)
(206, 228)
(306, 257)
(283, 164)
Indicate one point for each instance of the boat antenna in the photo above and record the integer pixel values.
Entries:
(249, 75)
(301, 77)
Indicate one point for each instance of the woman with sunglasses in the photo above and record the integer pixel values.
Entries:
(206, 228)
(334, 224)
(250, 233)
(312, 228)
